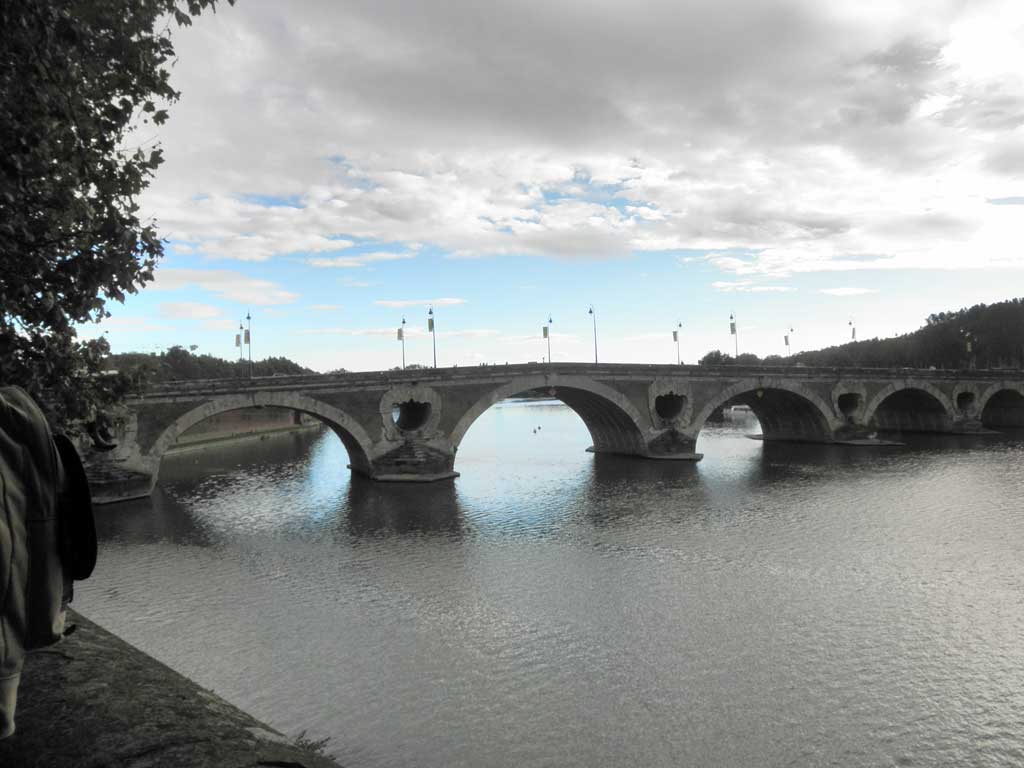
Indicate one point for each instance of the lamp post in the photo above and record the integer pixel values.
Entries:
(735, 335)
(853, 329)
(401, 338)
(248, 339)
(968, 346)
(786, 337)
(433, 333)
(594, 316)
(547, 335)
(675, 338)
(238, 341)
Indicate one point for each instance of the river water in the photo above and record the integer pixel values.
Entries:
(772, 605)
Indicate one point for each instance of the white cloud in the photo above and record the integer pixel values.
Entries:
(722, 285)
(212, 318)
(665, 335)
(419, 302)
(324, 307)
(410, 332)
(355, 332)
(748, 286)
(785, 136)
(120, 325)
(360, 260)
(470, 333)
(847, 291)
(219, 324)
(234, 286)
(537, 337)
(188, 310)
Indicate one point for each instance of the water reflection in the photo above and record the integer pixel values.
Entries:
(375, 509)
(773, 604)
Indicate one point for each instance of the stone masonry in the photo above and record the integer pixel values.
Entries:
(407, 425)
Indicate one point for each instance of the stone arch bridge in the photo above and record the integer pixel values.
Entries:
(649, 411)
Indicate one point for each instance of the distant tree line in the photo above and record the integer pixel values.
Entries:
(982, 336)
(180, 364)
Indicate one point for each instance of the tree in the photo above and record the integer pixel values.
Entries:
(981, 336)
(716, 357)
(77, 77)
(179, 364)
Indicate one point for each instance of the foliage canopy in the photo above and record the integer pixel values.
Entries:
(179, 364)
(77, 79)
(982, 336)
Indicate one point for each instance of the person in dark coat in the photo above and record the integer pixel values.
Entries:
(47, 537)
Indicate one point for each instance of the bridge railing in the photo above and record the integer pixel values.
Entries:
(457, 373)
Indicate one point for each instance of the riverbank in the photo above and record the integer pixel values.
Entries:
(95, 700)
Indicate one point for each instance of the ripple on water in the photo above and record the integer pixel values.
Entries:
(770, 605)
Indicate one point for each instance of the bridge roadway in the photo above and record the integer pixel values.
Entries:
(649, 411)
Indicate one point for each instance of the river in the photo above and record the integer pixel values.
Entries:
(772, 605)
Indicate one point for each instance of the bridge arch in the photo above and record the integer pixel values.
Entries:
(1002, 405)
(614, 423)
(786, 411)
(911, 407)
(354, 437)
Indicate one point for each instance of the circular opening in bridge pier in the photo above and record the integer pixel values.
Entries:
(669, 406)
(964, 401)
(410, 415)
(849, 402)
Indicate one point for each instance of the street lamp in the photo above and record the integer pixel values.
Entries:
(968, 345)
(248, 339)
(675, 338)
(853, 330)
(433, 333)
(238, 341)
(594, 316)
(547, 335)
(401, 338)
(786, 337)
(735, 335)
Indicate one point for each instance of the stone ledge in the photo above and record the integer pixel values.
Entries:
(95, 700)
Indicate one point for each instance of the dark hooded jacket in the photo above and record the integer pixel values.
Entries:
(40, 506)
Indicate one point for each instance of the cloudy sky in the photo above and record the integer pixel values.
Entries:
(333, 166)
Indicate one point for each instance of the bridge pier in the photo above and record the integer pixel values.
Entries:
(667, 447)
(410, 462)
(673, 445)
